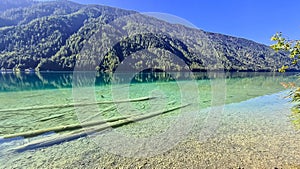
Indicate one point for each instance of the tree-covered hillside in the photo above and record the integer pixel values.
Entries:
(54, 36)
(10, 4)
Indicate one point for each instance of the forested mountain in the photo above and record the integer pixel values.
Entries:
(54, 36)
(37, 10)
(10, 4)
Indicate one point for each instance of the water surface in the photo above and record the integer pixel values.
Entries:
(241, 119)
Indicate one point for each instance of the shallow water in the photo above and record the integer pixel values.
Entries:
(235, 120)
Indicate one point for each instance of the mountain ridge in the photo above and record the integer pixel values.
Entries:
(50, 36)
(8, 4)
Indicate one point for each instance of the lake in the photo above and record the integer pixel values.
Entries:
(147, 120)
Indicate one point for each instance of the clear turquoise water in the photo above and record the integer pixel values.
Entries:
(241, 119)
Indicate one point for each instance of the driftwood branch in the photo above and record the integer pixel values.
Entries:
(64, 128)
(101, 112)
(51, 117)
(75, 135)
(76, 105)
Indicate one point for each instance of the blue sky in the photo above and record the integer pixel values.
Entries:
(257, 20)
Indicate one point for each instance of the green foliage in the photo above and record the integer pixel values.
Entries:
(283, 44)
(293, 47)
